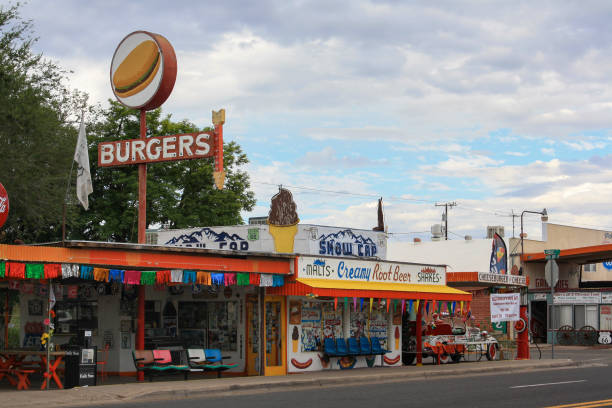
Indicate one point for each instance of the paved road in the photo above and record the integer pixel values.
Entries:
(524, 390)
(575, 353)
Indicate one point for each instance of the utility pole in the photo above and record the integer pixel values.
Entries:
(513, 215)
(446, 205)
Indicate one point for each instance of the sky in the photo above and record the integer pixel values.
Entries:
(499, 107)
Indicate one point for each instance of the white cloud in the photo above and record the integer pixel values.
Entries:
(585, 145)
(547, 151)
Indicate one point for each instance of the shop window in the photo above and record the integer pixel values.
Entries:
(589, 267)
(72, 317)
(592, 319)
(152, 314)
(223, 326)
(359, 323)
(605, 317)
(10, 329)
(585, 315)
(332, 320)
(379, 323)
(209, 324)
(563, 316)
(311, 326)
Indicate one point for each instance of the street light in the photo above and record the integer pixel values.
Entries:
(544, 218)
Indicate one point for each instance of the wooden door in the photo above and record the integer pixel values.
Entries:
(275, 329)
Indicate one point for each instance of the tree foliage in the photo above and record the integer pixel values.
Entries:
(38, 133)
(180, 194)
(36, 137)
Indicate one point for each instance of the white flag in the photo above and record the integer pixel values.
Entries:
(81, 156)
(51, 297)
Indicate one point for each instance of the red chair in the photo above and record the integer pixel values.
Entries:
(102, 363)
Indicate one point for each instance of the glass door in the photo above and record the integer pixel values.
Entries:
(252, 354)
(275, 327)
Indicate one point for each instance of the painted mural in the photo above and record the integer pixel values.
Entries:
(309, 240)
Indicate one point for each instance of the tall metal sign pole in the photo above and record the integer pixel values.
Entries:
(142, 74)
(551, 272)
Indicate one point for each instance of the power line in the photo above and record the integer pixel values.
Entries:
(318, 190)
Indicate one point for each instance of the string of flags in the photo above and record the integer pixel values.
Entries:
(410, 305)
(19, 270)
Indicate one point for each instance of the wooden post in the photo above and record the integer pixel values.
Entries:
(142, 229)
(419, 336)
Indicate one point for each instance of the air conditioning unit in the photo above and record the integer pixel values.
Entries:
(492, 229)
(436, 232)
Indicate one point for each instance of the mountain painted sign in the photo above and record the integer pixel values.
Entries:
(309, 240)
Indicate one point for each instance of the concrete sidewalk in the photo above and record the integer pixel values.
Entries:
(136, 392)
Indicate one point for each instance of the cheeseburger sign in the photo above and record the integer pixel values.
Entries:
(142, 75)
(143, 70)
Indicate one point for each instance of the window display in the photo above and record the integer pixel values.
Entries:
(311, 326)
(70, 317)
(379, 321)
(359, 321)
(217, 322)
(332, 320)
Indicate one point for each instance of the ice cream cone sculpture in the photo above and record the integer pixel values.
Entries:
(295, 337)
(283, 221)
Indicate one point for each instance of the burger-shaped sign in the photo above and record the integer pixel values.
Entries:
(143, 70)
(4, 205)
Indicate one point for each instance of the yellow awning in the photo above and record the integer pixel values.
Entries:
(385, 290)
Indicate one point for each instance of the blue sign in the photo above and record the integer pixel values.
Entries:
(346, 243)
(607, 264)
(207, 238)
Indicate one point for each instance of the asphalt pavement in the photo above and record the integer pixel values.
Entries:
(575, 375)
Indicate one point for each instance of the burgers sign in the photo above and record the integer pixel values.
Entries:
(143, 70)
(142, 75)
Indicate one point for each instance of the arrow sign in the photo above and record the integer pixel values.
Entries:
(551, 272)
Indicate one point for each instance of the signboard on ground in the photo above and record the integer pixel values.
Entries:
(505, 307)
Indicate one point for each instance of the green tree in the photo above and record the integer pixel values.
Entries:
(180, 194)
(37, 135)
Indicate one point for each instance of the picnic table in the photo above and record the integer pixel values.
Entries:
(13, 364)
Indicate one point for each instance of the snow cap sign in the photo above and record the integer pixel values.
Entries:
(4, 205)
(143, 70)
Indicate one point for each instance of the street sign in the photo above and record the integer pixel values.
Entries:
(551, 272)
(552, 253)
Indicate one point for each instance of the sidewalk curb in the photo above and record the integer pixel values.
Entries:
(142, 392)
(386, 377)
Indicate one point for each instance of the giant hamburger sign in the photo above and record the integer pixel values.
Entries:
(142, 76)
(143, 70)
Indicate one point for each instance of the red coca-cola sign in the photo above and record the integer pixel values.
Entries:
(4, 205)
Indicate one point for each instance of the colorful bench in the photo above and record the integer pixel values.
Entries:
(157, 362)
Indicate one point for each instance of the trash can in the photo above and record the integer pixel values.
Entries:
(81, 366)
